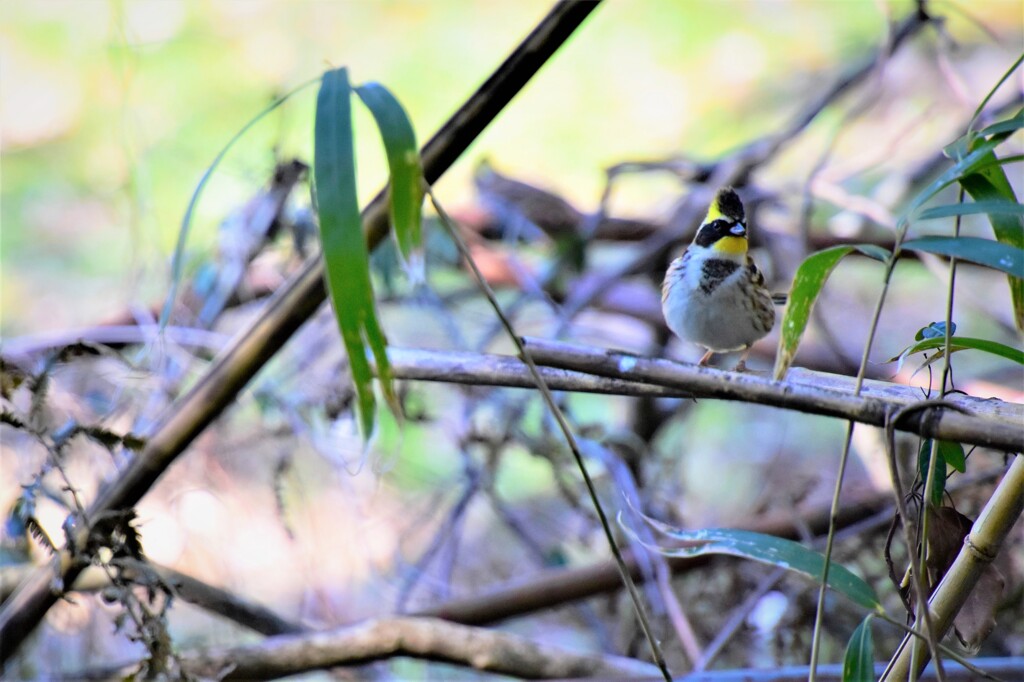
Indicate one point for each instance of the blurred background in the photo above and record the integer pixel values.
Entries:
(111, 111)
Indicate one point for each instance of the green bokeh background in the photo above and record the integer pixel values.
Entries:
(112, 110)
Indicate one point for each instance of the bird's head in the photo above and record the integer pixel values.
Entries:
(724, 230)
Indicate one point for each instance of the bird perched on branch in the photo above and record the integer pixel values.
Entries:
(714, 295)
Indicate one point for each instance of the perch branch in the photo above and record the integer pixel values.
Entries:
(991, 423)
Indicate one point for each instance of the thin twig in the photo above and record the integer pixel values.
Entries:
(567, 432)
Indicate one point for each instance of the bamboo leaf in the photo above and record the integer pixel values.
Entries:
(958, 343)
(406, 171)
(924, 459)
(972, 162)
(988, 96)
(997, 207)
(1010, 125)
(807, 285)
(991, 184)
(766, 549)
(859, 660)
(988, 252)
(953, 454)
(346, 260)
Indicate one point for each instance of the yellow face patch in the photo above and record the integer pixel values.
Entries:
(731, 245)
(714, 212)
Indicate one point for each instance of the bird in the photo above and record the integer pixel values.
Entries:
(714, 295)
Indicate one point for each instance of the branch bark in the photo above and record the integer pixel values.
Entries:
(991, 423)
(233, 607)
(422, 638)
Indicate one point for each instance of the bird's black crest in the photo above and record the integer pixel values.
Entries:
(729, 204)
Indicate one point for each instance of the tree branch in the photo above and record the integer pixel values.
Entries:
(990, 423)
(422, 638)
(226, 604)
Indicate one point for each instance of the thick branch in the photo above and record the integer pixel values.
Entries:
(423, 638)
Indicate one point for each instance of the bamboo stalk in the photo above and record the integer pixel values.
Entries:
(981, 546)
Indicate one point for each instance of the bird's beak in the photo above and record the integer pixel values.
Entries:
(738, 230)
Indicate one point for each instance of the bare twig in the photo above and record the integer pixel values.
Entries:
(567, 434)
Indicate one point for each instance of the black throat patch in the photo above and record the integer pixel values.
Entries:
(715, 270)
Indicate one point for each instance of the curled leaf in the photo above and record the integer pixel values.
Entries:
(405, 169)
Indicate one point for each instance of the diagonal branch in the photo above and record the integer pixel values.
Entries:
(213, 599)
(285, 313)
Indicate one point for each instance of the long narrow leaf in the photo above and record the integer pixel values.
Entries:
(346, 259)
(958, 343)
(1008, 126)
(994, 207)
(988, 96)
(859, 660)
(406, 170)
(991, 184)
(807, 284)
(924, 458)
(988, 252)
(970, 163)
(767, 549)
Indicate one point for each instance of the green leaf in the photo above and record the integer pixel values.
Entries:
(999, 207)
(1010, 125)
(874, 251)
(406, 171)
(346, 259)
(766, 549)
(924, 458)
(988, 252)
(948, 453)
(991, 184)
(972, 162)
(953, 454)
(807, 284)
(859, 660)
(988, 96)
(958, 343)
